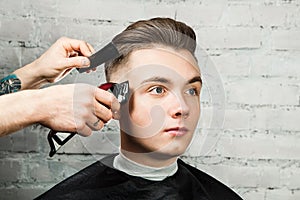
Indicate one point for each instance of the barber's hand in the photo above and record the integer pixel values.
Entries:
(79, 108)
(64, 55)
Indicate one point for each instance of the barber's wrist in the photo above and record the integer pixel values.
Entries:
(44, 99)
(29, 77)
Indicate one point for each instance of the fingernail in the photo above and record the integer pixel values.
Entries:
(116, 115)
(85, 62)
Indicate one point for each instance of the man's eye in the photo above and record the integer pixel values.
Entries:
(192, 92)
(157, 90)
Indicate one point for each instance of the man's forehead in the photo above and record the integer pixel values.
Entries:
(153, 62)
(162, 55)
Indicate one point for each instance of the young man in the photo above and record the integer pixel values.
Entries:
(156, 124)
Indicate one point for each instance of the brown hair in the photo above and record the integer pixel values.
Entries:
(148, 34)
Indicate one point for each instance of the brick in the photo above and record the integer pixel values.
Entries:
(10, 8)
(16, 29)
(96, 35)
(276, 119)
(270, 15)
(259, 147)
(14, 193)
(279, 194)
(43, 172)
(282, 64)
(212, 117)
(162, 9)
(198, 14)
(78, 164)
(253, 194)
(293, 19)
(237, 119)
(47, 35)
(261, 91)
(25, 141)
(5, 143)
(103, 10)
(285, 39)
(20, 141)
(231, 38)
(57, 170)
(47, 8)
(9, 59)
(40, 172)
(232, 64)
(211, 38)
(239, 38)
(243, 175)
(10, 170)
(290, 177)
(237, 15)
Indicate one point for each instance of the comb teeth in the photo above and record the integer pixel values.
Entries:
(120, 90)
(105, 54)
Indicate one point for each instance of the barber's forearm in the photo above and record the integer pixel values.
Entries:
(19, 110)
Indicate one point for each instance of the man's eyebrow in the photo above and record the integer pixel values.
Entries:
(157, 79)
(165, 80)
(195, 79)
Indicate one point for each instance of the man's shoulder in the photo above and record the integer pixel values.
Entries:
(96, 175)
(214, 188)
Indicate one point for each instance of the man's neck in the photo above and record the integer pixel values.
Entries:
(152, 159)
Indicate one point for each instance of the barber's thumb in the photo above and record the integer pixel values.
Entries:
(79, 62)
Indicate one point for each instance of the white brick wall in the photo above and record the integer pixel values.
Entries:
(254, 45)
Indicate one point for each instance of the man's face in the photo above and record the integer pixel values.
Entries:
(164, 105)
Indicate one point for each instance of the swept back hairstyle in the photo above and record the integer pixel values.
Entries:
(148, 34)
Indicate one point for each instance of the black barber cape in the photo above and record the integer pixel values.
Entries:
(99, 181)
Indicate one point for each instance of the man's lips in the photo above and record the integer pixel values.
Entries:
(177, 131)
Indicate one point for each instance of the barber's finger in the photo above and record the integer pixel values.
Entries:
(96, 124)
(78, 62)
(85, 48)
(104, 97)
(84, 130)
(115, 109)
(102, 112)
(88, 71)
(92, 50)
(76, 45)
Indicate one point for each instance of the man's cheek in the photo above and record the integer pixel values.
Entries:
(148, 121)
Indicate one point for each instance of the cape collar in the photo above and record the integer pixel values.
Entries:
(124, 164)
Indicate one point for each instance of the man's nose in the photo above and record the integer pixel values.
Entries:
(178, 107)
